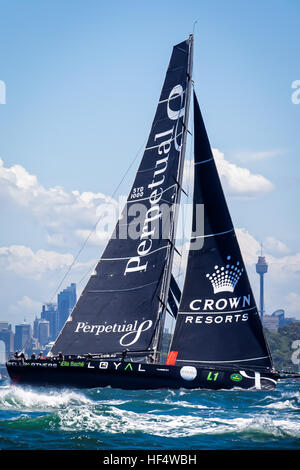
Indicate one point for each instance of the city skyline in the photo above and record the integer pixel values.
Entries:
(77, 116)
(54, 315)
(37, 336)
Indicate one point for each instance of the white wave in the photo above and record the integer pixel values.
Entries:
(183, 404)
(282, 405)
(288, 427)
(19, 398)
(118, 421)
(73, 411)
(113, 402)
(284, 401)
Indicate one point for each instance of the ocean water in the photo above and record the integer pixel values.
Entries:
(47, 419)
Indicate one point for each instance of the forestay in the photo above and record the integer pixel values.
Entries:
(122, 302)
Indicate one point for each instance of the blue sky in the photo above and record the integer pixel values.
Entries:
(82, 82)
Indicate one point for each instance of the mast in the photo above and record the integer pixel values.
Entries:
(157, 343)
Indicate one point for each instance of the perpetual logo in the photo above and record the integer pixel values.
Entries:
(132, 331)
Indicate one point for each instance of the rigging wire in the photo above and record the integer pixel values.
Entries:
(194, 26)
(88, 237)
(189, 186)
(188, 197)
(95, 226)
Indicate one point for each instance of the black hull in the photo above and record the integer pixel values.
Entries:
(135, 375)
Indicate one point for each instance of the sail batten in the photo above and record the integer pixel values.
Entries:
(219, 312)
(204, 161)
(129, 257)
(121, 290)
(212, 234)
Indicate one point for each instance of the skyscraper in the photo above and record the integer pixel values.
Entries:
(66, 300)
(7, 336)
(43, 332)
(261, 269)
(50, 314)
(23, 334)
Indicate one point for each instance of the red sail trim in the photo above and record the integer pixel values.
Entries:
(171, 359)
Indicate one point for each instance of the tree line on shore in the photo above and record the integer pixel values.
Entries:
(285, 346)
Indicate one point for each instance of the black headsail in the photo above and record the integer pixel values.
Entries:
(125, 299)
(218, 322)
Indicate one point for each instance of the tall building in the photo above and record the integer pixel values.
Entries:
(36, 327)
(66, 300)
(7, 336)
(23, 334)
(44, 332)
(50, 314)
(261, 269)
(45, 329)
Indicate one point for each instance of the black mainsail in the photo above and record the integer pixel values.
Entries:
(218, 322)
(125, 299)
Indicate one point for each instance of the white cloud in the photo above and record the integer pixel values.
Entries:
(17, 177)
(236, 181)
(283, 274)
(95, 238)
(248, 155)
(63, 214)
(285, 268)
(282, 279)
(275, 246)
(24, 309)
(47, 268)
(188, 176)
(250, 247)
(31, 278)
(69, 217)
(27, 307)
(26, 263)
(292, 302)
(282, 268)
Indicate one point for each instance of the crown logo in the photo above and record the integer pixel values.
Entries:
(225, 278)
